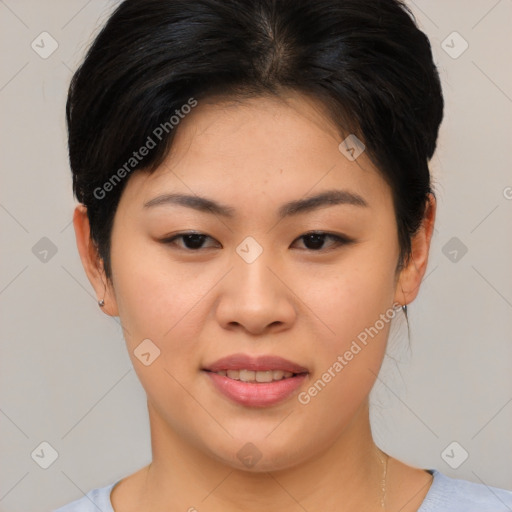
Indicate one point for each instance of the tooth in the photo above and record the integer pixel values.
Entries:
(264, 376)
(247, 375)
(256, 376)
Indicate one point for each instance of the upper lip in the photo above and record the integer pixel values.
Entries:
(256, 363)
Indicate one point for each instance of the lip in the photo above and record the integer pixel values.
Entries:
(256, 363)
(255, 394)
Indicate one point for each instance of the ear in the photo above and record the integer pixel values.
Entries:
(92, 262)
(411, 275)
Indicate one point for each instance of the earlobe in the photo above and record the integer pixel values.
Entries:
(92, 262)
(412, 273)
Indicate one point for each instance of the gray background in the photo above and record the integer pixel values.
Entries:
(65, 375)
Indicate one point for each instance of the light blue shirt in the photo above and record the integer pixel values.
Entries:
(445, 495)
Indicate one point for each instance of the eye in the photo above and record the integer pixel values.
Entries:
(191, 240)
(315, 240)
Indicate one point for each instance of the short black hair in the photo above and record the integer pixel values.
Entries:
(365, 60)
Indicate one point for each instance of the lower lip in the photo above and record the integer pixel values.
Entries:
(256, 394)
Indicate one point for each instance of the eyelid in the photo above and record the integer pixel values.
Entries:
(170, 238)
(339, 240)
(325, 233)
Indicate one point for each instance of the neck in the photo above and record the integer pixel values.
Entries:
(348, 473)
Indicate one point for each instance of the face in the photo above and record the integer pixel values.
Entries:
(252, 288)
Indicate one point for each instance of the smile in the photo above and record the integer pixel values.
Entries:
(256, 376)
(255, 380)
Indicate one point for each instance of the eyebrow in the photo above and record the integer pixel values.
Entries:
(203, 204)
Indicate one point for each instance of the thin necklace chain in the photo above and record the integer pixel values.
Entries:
(383, 481)
(384, 478)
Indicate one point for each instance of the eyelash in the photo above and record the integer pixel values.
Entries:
(339, 240)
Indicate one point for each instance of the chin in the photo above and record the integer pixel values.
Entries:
(261, 456)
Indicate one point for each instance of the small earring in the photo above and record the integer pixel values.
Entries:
(404, 309)
(101, 303)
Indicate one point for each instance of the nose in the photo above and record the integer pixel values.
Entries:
(255, 299)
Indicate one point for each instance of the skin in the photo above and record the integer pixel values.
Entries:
(293, 301)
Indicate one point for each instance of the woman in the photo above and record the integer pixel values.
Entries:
(256, 207)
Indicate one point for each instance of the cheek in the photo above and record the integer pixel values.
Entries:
(158, 303)
(155, 299)
(350, 297)
(347, 360)
(353, 305)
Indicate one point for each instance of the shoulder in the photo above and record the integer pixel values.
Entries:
(97, 499)
(464, 496)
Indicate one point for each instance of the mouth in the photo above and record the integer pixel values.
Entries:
(257, 376)
(245, 364)
(255, 381)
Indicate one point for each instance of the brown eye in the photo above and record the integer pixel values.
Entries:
(315, 241)
(190, 241)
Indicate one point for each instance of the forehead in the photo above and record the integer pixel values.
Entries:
(271, 146)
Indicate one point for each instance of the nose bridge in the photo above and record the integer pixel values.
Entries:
(251, 266)
(253, 297)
